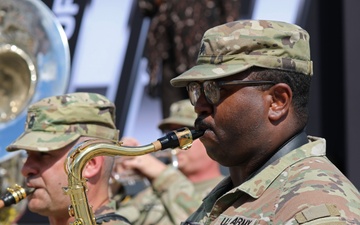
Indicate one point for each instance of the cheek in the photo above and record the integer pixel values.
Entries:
(246, 106)
(55, 175)
(58, 180)
(228, 116)
(240, 116)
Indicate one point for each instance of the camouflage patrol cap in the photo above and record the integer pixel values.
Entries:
(181, 113)
(54, 122)
(237, 46)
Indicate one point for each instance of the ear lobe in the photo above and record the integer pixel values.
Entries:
(281, 101)
(93, 167)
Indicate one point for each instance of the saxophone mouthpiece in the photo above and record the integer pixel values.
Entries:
(182, 138)
(15, 195)
(197, 133)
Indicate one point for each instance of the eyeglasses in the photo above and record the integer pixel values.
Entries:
(212, 88)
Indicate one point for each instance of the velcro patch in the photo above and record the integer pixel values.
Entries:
(316, 212)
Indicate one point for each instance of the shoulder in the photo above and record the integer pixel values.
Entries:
(315, 182)
(316, 173)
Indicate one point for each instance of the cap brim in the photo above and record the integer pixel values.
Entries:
(180, 121)
(42, 141)
(208, 72)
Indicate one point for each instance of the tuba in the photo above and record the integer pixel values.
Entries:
(82, 153)
(34, 64)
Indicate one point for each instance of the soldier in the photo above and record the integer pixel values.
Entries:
(54, 126)
(174, 192)
(174, 36)
(250, 90)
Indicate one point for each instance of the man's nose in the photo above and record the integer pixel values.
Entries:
(29, 168)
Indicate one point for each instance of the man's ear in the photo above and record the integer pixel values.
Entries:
(93, 167)
(281, 95)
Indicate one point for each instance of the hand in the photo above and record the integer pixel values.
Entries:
(147, 165)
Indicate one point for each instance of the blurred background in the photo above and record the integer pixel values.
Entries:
(108, 55)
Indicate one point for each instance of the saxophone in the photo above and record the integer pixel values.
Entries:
(80, 154)
(12, 196)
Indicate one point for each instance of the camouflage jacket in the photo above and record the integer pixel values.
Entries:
(171, 193)
(105, 215)
(302, 187)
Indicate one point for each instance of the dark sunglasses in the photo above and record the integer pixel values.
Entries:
(212, 88)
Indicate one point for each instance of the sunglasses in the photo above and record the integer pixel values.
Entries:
(212, 88)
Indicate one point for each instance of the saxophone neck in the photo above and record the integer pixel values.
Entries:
(80, 154)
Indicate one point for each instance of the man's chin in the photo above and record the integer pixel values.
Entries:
(36, 205)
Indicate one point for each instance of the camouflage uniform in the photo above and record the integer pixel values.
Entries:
(174, 36)
(55, 122)
(303, 187)
(300, 187)
(171, 189)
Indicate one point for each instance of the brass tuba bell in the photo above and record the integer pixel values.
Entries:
(34, 64)
(18, 80)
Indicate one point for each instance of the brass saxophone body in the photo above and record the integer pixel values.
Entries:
(82, 153)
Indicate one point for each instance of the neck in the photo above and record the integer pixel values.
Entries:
(240, 174)
(98, 197)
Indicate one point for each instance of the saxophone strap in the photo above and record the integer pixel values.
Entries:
(110, 216)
